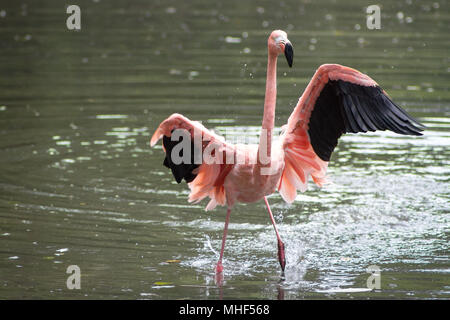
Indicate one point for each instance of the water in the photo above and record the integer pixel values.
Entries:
(79, 184)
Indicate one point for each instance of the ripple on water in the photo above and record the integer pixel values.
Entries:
(379, 225)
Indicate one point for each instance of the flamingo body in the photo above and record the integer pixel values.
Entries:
(243, 184)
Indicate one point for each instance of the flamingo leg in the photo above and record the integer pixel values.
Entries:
(281, 255)
(219, 267)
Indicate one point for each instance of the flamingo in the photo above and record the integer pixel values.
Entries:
(337, 100)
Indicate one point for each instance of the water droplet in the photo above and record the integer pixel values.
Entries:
(229, 39)
(193, 74)
(174, 72)
(412, 88)
(171, 10)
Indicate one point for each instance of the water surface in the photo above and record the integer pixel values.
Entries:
(79, 184)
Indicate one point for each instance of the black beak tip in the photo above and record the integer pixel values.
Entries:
(289, 53)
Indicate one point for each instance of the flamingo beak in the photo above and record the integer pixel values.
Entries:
(289, 53)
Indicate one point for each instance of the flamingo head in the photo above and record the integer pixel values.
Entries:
(279, 43)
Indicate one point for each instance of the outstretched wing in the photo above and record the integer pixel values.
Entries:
(338, 100)
(204, 178)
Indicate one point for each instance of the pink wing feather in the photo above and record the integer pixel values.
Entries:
(301, 161)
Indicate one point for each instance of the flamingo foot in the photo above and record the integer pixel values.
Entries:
(281, 255)
(219, 267)
(219, 274)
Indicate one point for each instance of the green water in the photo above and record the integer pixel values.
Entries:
(79, 184)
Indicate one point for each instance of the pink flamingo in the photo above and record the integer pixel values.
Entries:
(337, 100)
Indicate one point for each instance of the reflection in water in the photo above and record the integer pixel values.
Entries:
(80, 185)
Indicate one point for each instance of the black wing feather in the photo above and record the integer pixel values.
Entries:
(366, 116)
(344, 107)
(183, 170)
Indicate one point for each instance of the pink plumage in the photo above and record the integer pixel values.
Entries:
(337, 100)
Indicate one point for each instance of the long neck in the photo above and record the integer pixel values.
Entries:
(265, 141)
